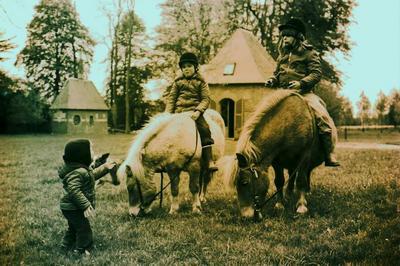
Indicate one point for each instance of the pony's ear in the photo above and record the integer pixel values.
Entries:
(241, 160)
(128, 171)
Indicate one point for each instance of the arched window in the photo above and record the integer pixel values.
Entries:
(228, 114)
(77, 119)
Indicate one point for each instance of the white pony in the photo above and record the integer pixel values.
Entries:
(170, 143)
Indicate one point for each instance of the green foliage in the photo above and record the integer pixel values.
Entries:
(346, 113)
(394, 108)
(23, 111)
(364, 108)
(58, 47)
(381, 107)
(5, 45)
(352, 218)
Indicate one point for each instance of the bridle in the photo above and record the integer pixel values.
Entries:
(257, 205)
(144, 203)
(256, 198)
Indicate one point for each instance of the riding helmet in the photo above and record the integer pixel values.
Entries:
(188, 58)
(293, 24)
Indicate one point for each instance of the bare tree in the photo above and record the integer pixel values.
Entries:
(381, 107)
(364, 106)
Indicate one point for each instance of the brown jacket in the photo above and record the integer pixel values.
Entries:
(188, 94)
(301, 64)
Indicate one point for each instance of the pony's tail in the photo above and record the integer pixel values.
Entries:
(228, 168)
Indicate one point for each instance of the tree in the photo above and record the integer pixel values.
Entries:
(364, 107)
(197, 26)
(394, 108)
(114, 58)
(58, 47)
(5, 45)
(327, 22)
(381, 107)
(130, 69)
(346, 114)
(22, 110)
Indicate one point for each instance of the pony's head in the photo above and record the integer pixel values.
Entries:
(138, 174)
(141, 192)
(250, 182)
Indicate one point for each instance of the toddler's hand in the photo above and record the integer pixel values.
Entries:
(89, 212)
(110, 165)
(295, 85)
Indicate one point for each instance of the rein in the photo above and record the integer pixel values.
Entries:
(162, 188)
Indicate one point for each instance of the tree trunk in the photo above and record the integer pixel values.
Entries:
(128, 81)
(113, 82)
(75, 61)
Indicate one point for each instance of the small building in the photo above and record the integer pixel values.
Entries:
(79, 108)
(236, 77)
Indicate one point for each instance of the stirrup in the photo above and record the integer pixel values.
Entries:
(212, 167)
(330, 163)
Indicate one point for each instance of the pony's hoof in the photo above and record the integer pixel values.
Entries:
(258, 217)
(302, 209)
(134, 211)
(196, 210)
(203, 199)
(279, 206)
(172, 212)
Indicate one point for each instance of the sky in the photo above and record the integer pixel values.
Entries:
(373, 65)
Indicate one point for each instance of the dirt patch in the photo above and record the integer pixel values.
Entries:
(365, 145)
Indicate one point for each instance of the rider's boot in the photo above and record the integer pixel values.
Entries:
(207, 156)
(330, 157)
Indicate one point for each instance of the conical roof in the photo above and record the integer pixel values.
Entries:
(246, 56)
(79, 94)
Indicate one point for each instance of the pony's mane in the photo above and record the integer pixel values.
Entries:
(152, 128)
(245, 146)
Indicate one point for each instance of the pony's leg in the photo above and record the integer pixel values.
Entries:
(302, 185)
(302, 203)
(290, 186)
(205, 178)
(174, 176)
(194, 187)
(292, 179)
(279, 183)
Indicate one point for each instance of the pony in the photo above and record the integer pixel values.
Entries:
(169, 143)
(281, 132)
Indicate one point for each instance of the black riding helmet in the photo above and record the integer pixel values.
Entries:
(189, 58)
(293, 27)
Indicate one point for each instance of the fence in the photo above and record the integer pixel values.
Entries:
(369, 132)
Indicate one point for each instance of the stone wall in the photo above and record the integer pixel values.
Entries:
(79, 121)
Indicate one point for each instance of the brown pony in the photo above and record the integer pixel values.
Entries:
(282, 133)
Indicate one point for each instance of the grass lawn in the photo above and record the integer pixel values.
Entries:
(352, 215)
